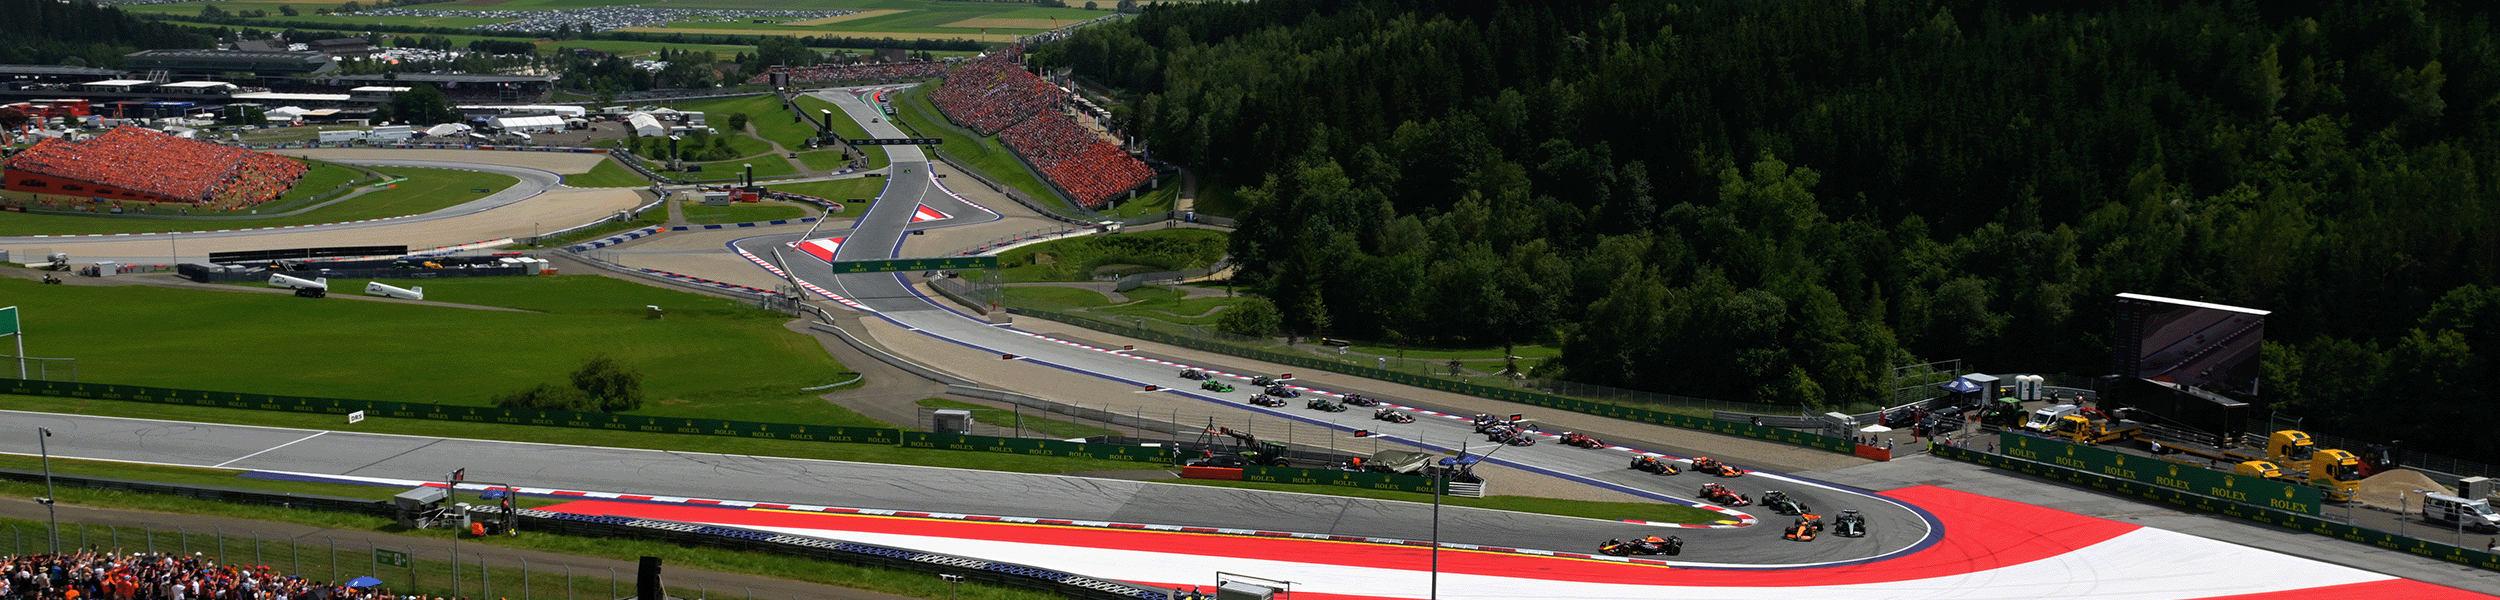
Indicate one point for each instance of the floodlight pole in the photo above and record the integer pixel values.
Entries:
(43, 445)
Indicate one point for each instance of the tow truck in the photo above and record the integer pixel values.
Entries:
(2290, 456)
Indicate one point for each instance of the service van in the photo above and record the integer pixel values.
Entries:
(2046, 418)
(2459, 512)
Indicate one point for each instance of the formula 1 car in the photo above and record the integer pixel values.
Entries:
(1282, 391)
(1573, 438)
(1669, 545)
(1850, 524)
(1214, 385)
(1267, 400)
(1359, 400)
(1704, 464)
(1615, 547)
(1392, 415)
(1261, 381)
(1651, 464)
(1806, 527)
(1720, 494)
(1509, 436)
(1194, 374)
(1779, 502)
(1322, 404)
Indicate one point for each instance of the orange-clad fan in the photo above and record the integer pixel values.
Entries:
(150, 162)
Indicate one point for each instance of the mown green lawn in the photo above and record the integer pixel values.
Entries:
(426, 190)
(1014, 420)
(607, 175)
(846, 128)
(1068, 259)
(344, 348)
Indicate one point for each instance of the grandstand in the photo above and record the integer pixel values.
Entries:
(995, 95)
(863, 73)
(131, 163)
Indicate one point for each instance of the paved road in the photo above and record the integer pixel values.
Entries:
(782, 480)
(880, 230)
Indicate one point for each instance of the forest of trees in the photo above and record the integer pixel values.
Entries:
(49, 32)
(1779, 201)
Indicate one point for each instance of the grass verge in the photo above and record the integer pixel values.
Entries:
(607, 175)
(1014, 420)
(698, 214)
(148, 335)
(650, 218)
(984, 154)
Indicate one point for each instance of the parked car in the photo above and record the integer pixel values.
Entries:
(1941, 421)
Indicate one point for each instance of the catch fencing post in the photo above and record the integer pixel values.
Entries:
(485, 577)
(220, 534)
(568, 582)
(256, 548)
(525, 578)
(334, 558)
(612, 582)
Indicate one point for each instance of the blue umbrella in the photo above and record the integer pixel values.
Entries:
(362, 582)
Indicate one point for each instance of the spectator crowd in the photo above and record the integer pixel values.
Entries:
(994, 91)
(1090, 169)
(91, 575)
(151, 162)
(994, 94)
(862, 73)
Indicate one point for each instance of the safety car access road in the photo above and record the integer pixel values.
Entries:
(500, 213)
(1898, 528)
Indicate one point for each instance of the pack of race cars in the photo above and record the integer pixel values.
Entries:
(1518, 431)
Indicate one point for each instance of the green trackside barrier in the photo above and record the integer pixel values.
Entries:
(1373, 481)
(2300, 499)
(1036, 447)
(1615, 411)
(2261, 514)
(474, 414)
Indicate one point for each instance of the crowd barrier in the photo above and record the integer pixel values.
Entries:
(1614, 411)
(2162, 473)
(1036, 447)
(2270, 516)
(1370, 481)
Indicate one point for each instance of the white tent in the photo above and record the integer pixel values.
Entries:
(286, 113)
(645, 125)
(539, 124)
(446, 130)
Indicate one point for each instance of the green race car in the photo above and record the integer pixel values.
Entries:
(1213, 385)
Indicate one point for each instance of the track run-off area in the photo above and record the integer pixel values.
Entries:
(1926, 541)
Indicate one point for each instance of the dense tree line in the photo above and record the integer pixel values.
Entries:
(1779, 201)
(47, 32)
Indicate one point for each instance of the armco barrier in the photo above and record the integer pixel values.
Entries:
(1614, 411)
(2192, 479)
(1036, 447)
(1369, 481)
(438, 412)
(2269, 516)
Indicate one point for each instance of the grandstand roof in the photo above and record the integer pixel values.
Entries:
(197, 84)
(282, 96)
(266, 63)
(379, 89)
(450, 77)
(57, 70)
(119, 82)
